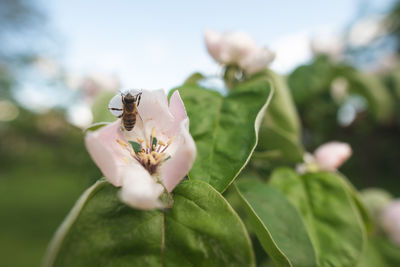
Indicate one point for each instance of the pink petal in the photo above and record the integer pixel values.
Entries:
(106, 152)
(332, 155)
(213, 43)
(178, 111)
(176, 107)
(390, 221)
(256, 61)
(153, 110)
(176, 168)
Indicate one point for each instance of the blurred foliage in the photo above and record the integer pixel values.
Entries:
(44, 167)
(393, 23)
(280, 131)
(373, 133)
(99, 110)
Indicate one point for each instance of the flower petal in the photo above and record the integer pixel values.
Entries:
(176, 107)
(139, 189)
(178, 111)
(236, 46)
(390, 221)
(213, 43)
(106, 152)
(154, 111)
(331, 155)
(174, 170)
(256, 61)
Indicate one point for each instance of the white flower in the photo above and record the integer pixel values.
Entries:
(390, 221)
(328, 44)
(155, 155)
(91, 85)
(237, 48)
(366, 30)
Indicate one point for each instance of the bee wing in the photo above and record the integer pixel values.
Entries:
(115, 106)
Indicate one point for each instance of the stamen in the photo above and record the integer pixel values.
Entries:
(152, 154)
(126, 160)
(152, 160)
(161, 142)
(170, 140)
(162, 151)
(122, 143)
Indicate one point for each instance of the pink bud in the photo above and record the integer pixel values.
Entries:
(332, 155)
(390, 221)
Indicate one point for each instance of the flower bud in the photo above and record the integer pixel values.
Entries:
(390, 221)
(332, 155)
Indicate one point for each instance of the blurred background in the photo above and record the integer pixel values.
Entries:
(61, 61)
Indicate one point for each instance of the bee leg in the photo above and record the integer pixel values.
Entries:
(138, 98)
(120, 116)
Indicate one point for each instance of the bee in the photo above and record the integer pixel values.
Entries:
(124, 105)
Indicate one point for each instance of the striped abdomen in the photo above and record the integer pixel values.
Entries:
(129, 120)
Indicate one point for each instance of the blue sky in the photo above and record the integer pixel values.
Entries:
(156, 44)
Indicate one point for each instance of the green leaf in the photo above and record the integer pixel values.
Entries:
(379, 99)
(201, 229)
(99, 107)
(95, 126)
(306, 81)
(380, 252)
(135, 146)
(153, 143)
(329, 212)
(277, 224)
(375, 200)
(194, 78)
(280, 131)
(225, 129)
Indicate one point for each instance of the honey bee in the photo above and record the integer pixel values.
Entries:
(124, 105)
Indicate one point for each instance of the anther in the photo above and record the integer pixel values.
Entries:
(161, 143)
(170, 140)
(122, 143)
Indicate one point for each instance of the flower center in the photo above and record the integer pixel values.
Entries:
(150, 153)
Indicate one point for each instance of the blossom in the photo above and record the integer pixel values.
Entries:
(327, 157)
(332, 155)
(328, 44)
(237, 48)
(390, 221)
(152, 158)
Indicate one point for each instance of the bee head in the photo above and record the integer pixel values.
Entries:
(129, 97)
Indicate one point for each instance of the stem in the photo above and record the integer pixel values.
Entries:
(163, 239)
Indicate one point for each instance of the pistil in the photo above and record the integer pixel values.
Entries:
(152, 155)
